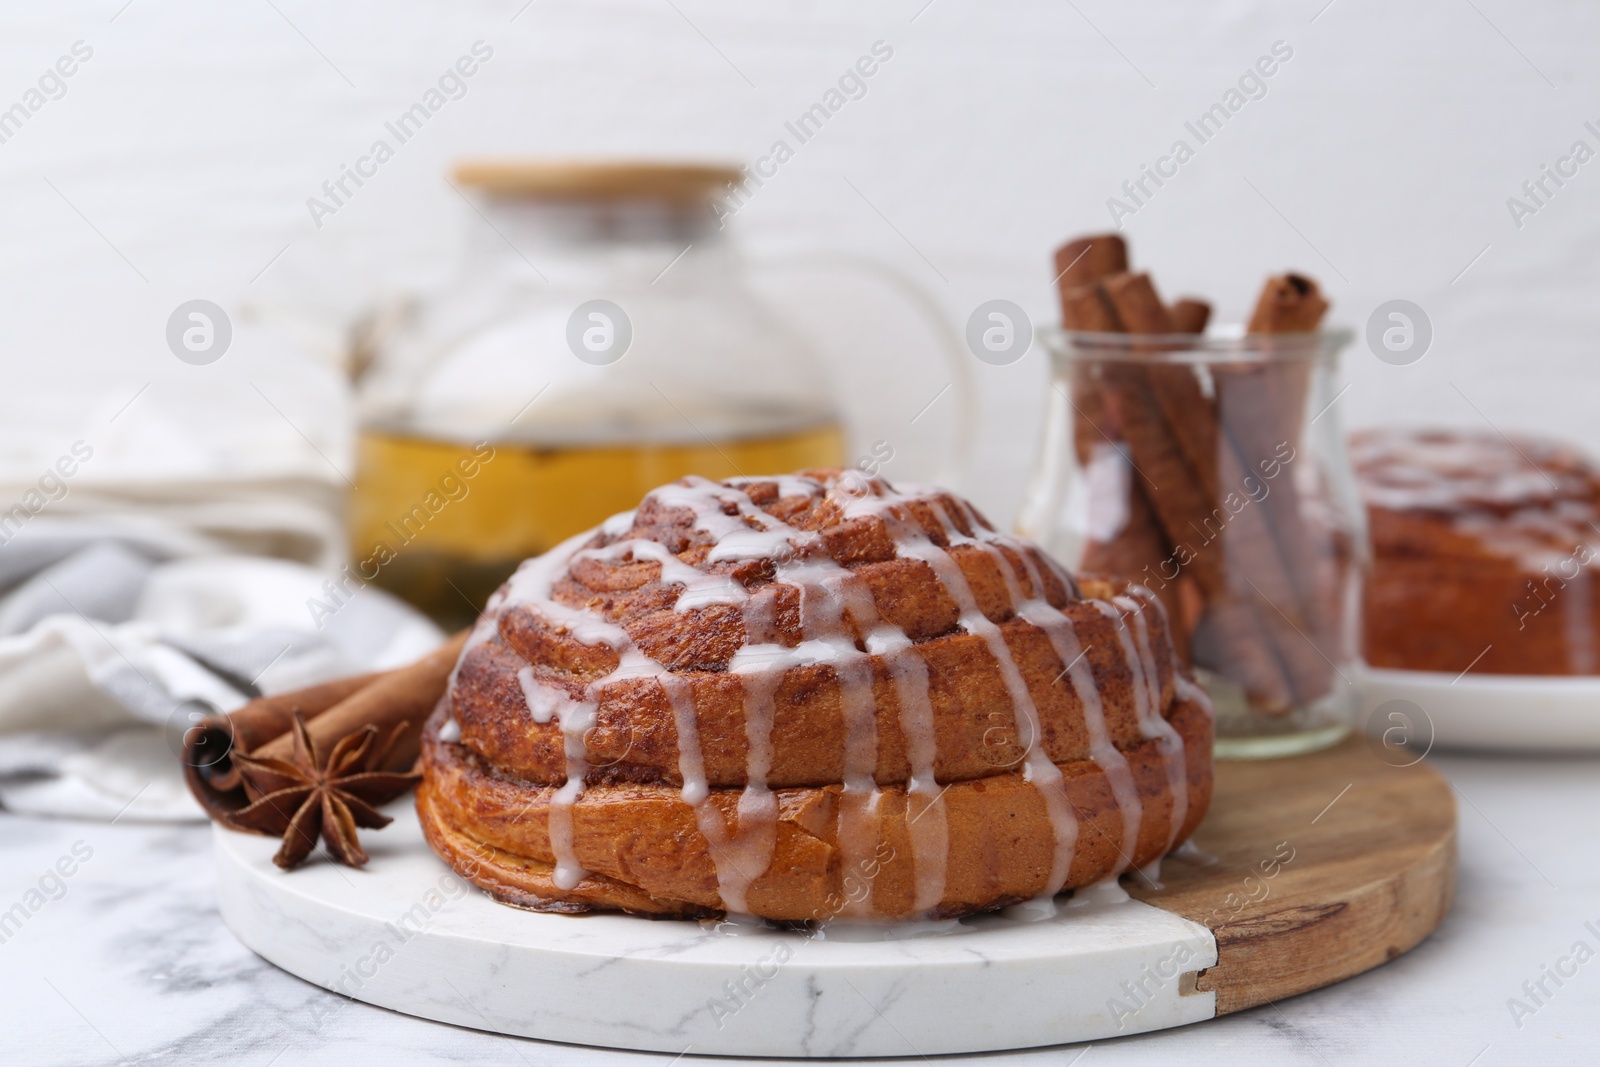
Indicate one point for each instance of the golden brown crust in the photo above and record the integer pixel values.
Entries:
(644, 852)
(813, 631)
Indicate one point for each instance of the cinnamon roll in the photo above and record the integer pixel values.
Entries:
(810, 697)
(1484, 552)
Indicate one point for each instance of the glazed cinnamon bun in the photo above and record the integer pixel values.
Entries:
(810, 697)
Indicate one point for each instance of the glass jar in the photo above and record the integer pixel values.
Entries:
(600, 341)
(1213, 470)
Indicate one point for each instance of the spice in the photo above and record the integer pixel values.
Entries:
(308, 796)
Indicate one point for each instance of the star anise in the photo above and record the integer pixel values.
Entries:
(309, 796)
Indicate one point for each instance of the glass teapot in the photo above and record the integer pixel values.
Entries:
(602, 339)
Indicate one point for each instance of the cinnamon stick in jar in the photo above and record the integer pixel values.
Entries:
(1189, 315)
(1170, 430)
(1166, 409)
(1267, 550)
(1161, 415)
(1080, 264)
(1182, 405)
(1096, 422)
(1086, 260)
(1263, 406)
(1129, 544)
(1136, 548)
(1262, 403)
(1288, 304)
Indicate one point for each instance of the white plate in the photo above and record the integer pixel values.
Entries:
(405, 933)
(1491, 712)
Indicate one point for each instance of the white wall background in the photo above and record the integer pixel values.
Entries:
(179, 161)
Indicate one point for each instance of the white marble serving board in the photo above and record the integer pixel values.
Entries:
(406, 933)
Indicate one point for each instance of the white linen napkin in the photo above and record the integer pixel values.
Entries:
(118, 633)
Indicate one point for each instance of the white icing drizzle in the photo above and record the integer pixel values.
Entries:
(1037, 909)
(1107, 891)
(1045, 776)
(575, 718)
(1527, 500)
(800, 559)
(1153, 725)
(618, 524)
(1112, 763)
(691, 760)
(927, 821)
(700, 588)
(1150, 874)
(822, 611)
(575, 723)
(532, 584)
(1190, 691)
(736, 857)
(1064, 640)
(1450, 470)
(757, 836)
(1190, 852)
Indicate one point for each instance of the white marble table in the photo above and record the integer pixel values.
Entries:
(130, 962)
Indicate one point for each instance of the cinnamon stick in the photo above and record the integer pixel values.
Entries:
(1232, 639)
(406, 695)
(1190, 315)
(1165, 420)
(1080, 264)
(1266, 571)
(1138, 549)
(1169, 488)
(1264, 406)
(1174, 387)
(1259, 407)
(1239, 641)
(1289, 303)
(333, 710)
(1087, 308)
(1086, 260)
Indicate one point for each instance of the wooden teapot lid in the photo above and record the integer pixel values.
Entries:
(596, 179)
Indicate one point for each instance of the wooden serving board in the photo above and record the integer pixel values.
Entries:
(1326, 865)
